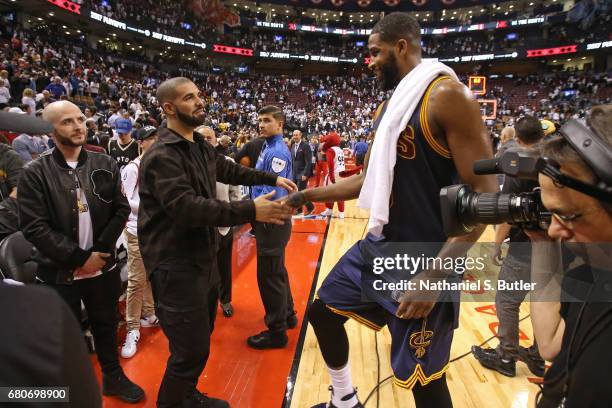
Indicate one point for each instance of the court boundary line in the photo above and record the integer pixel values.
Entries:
(295, 365)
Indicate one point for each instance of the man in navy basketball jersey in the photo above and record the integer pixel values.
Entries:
(124, 149)
(442, 139)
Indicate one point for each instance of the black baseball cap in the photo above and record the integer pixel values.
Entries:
(145, 132)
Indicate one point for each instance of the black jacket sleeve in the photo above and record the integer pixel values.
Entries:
(35, 224)
(231, 173)
(121, 211)
(14, 164)
(165, 178)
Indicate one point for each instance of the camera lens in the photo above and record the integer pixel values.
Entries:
(463, 209)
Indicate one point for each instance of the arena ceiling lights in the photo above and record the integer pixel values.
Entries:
(306, 57)
(378, 5)
(147, 33)
(494, 25)
(75, 8)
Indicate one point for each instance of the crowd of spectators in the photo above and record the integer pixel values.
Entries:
(36, 70)
(172, 18)
(163, 16)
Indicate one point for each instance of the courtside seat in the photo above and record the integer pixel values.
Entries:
(16, 258)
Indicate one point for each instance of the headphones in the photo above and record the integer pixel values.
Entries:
(593, 151)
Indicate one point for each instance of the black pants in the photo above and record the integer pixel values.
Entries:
(508, 304)
(224, 263)
(100, 296)
(272, 277)
(186, 305)
(359, 159)
(302, 184)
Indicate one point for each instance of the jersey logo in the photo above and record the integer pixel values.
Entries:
(420, 340)
(278, 165)
(405, 144)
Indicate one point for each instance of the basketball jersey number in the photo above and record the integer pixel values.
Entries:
(338, 160)
(406, 148)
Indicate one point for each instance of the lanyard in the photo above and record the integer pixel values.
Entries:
(81, 204)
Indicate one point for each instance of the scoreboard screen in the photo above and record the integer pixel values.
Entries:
(478, 85)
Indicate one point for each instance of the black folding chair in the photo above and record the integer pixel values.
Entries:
(16, 259)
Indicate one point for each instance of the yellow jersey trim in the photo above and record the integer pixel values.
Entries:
(437, 147)
(378, 110)
(419, 375)
(356, 317)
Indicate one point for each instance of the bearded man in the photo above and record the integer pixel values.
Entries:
(72, 209)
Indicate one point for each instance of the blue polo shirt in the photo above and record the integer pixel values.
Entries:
(56, 90)
(274, 158)
(361, 148)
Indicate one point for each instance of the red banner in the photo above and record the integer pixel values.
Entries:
(545, 52)
(67, 5)
(225, 49)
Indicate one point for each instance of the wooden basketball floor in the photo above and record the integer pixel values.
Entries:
(296, 377)
(470, 384)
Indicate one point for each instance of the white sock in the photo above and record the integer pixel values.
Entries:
(343, 386)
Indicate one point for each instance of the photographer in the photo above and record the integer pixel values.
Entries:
(575, 335)
(516, 267)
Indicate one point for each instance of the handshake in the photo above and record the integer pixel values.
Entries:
(276, 212)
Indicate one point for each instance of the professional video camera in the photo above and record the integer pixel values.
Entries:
(463, 209)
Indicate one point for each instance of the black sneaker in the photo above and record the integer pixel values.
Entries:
(228, 310)
(345, 398)
(268, 340)
(534, 362)
(120, 386)
(489, 358)
(292, 321)
(200, 400)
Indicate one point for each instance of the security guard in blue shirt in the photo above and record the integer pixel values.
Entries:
(272, 239)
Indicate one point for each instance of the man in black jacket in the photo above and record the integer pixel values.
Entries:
(301, 154)
(72, 209)
(177, 235)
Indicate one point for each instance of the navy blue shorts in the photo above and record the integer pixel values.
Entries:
(420, 348)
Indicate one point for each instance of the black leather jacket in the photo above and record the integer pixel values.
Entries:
(49, 216)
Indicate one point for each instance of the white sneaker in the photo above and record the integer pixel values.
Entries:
(130, 346)
(150, 321)
(341, 215)
(327, 212)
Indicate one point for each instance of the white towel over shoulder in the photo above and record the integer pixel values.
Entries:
(378, 183)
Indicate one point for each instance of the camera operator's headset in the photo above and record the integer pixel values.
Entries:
(596, 155)
(599, 159)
